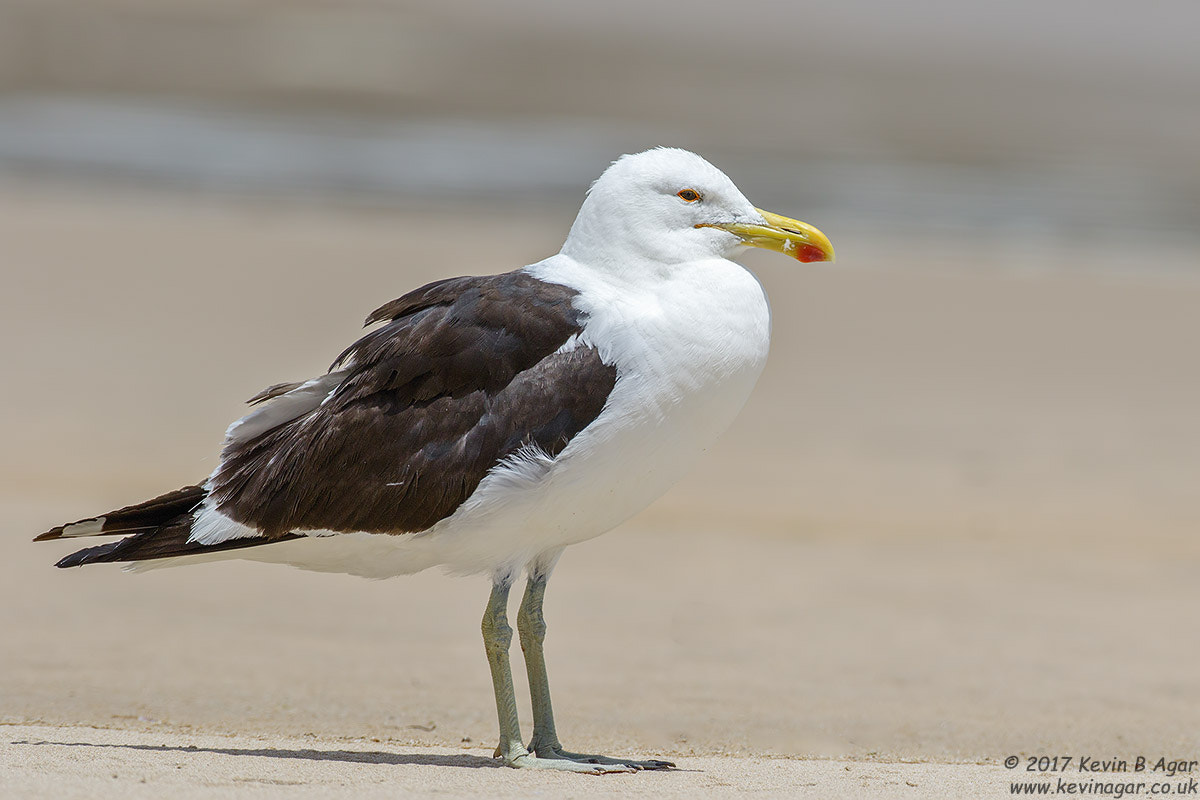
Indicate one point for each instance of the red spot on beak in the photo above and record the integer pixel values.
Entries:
(808, 253)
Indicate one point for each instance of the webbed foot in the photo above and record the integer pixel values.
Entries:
(526, 760)
(551, 752)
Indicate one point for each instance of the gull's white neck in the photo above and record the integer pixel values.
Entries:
(682, 327)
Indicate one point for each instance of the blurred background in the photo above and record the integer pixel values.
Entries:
(1056, 122)
(961, 507)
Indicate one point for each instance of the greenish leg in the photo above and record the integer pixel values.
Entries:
(497, 635)
(532, 625)
(545, 744)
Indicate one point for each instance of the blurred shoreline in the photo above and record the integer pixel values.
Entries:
(214, 150)
(1001, 123)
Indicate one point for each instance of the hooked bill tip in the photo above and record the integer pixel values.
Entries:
(809, 253)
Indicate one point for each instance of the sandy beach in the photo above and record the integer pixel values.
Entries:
(956, 522)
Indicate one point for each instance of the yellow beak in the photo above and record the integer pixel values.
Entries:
(783, 235)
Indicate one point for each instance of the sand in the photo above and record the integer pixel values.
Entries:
(956, 523)
(87, 763)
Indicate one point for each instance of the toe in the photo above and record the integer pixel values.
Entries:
(583, 758)
(566, 765)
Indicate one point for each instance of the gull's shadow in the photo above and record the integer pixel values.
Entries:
(349, 756)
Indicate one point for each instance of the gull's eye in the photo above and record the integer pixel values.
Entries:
(688, 195)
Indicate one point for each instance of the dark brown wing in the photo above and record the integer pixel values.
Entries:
(160, 528)
(137, 518)
(466, 373)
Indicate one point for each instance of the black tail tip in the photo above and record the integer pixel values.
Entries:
(88, 555)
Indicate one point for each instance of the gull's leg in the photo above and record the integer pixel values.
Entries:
(497, 635)
(545, 742)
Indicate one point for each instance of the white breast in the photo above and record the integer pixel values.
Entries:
(687, 359)
(688, 351)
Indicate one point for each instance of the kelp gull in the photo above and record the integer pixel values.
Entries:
(491, 421)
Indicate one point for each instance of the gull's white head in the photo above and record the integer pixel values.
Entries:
(672, 207)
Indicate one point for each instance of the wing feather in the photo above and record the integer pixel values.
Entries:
(463, 374)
